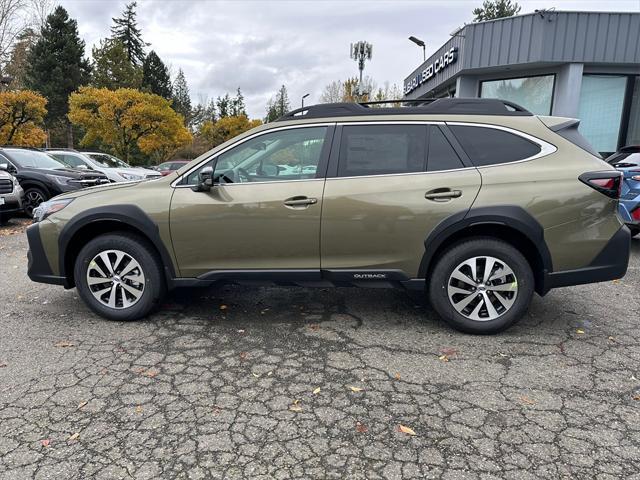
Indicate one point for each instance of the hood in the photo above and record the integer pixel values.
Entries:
(139, 171)
(99, 188)
(67, 172)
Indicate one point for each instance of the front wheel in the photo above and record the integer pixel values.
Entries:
(33, 196)
(119, 276)
(481, 285)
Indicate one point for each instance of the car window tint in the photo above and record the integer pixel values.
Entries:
(442, 156)
(381, 149)
(278, 156)
(490, 146)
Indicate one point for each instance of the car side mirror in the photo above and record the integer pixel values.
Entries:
(4, 166)
(205, 180)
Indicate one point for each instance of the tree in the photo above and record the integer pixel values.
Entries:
(204, 111)
(279, 106)
(57, 66)
(124, 120)
(223, 104)
(126, 30)
(21, 116)
(155, 76)
(182, 98)
(347, 91)
(225, 129)
(16, 68)
(13, 21)
(112, 68)
(237, 105)
(492, 9)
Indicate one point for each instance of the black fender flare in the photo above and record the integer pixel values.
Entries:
(129, 215)
(31, 182)
(511, 216)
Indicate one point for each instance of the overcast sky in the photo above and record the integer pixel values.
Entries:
(260, 45)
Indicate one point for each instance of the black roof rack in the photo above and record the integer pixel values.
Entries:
(426, 106)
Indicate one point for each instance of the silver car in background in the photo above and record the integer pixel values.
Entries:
(115, 169)
(11, 196)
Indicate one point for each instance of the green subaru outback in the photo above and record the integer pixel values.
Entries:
(476, 203)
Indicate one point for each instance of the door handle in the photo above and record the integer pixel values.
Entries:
(442, 194)
(300, 201)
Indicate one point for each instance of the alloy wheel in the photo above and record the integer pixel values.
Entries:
(115, 279)
(33, 198)
(482, 288)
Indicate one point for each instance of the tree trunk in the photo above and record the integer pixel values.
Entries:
(69, 136)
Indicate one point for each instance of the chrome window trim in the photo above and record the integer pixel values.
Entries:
(546, 148)
(240, 142)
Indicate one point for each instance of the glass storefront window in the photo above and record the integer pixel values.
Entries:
(600, 110)
(633, 133)
(533, 93)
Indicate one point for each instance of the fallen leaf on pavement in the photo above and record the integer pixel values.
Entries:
(73, 437)
(397, 376)
(269, 373)
(407, 430)
(82, 404)
(316, 391)
(443, 358)
(527, 400)
(45, 443)
(579, 331)
(361, 428)
(243, 355)
(139, 409)
(150, 373)
(637, 397)
(64, 344)
(295, 408)
(355, 389)
(612, 339)
(255, 375)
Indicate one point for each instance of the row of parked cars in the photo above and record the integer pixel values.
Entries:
(30, 176)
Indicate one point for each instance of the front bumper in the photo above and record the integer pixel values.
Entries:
(610, 264)
(38, 268)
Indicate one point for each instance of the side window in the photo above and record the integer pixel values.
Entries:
(71, 160)
(382, 149)
(278, 156)
(490, 146)
(442, 156)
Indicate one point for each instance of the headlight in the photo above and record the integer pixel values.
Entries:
(50, 207)
(130, 176)
(59, 179)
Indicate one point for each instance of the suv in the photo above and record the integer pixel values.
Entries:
(41, 176)
(476, 202)
(11, 195)
(115, 169)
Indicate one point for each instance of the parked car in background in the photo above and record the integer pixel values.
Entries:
(115, 169)
(11, 195)
(627, 160)
(171, 166)
(476, 203)
(41, 176)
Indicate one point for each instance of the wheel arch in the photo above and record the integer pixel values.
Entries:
(509, 223)
(94, 222)
(32, 183)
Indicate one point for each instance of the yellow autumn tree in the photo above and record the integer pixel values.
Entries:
(215, 133)
(126, 119)
(21, 117)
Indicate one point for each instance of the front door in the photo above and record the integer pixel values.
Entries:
(263, 213)
(392, 185)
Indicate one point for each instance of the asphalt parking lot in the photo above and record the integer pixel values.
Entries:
(239, 382)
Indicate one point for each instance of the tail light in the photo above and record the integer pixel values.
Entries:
(608, 183)
(635, 214)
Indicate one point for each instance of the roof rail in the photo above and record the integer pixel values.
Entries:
(426, 106)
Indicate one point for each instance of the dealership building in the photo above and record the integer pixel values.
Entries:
(584, 65)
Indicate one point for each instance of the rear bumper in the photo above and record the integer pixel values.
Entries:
(611, 263)
(38, 268)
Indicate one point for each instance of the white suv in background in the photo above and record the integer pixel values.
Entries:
(11, 195)
(115, 169)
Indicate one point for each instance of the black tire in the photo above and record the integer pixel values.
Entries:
(4, 220)
(33, 196)
(634, 231)
(139, 250)
(481, 247)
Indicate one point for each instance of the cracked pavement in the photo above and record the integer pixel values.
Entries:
(223, 383)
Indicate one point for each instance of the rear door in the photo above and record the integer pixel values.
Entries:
(388, 186)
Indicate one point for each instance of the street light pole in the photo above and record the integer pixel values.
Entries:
(420, 43)
(303, 97)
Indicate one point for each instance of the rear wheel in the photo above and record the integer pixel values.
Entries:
(119, 276)
(482, 285)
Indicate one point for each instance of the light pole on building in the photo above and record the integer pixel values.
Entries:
(303, 97)
(361, 52)
(420, 43)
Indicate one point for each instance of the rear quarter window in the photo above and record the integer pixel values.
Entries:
(491, 146)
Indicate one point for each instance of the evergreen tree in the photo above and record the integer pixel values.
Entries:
(111, 67)
(279, 106)
(155, 76)
(492, 9)
(237, 105)
(126, 30)
(181, 97)
(57, 67)
(223, 104)
(16, 68)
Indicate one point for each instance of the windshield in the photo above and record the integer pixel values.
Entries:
(34, 159)
(108, 161)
